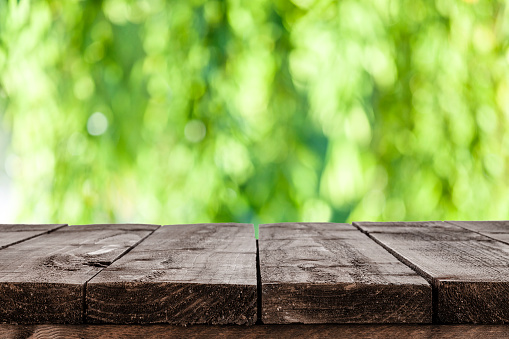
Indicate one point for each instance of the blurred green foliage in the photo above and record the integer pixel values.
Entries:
(256, 111)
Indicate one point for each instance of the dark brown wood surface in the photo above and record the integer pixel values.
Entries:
(332, 273)
(11, 234)
(42, 280)
(181, 274)
(257, 331)
(469, 272)
(496, 229)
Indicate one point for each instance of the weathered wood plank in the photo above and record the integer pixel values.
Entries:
(11, 234)
(332, 273)
(468, 271)
(257, 331)
(42, 279)
(496, 229)
(181, 274)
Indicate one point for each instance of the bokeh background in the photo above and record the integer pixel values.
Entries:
(253, 111)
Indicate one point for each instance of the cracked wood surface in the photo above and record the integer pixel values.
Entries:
(42, 279)
(332, 273)
(181, 274)
(468, 271)
(11, 234)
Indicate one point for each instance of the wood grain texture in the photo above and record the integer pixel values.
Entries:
(42, 280)
(495, 229)
(11, 234)
(468, 271)
(181, 274)
(257, 331)
(332, 273)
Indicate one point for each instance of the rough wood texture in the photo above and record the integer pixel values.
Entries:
(181, 274)
(258, 331)
(42, 280)
(469, 271)
(11, 234)
(332, 273)
(496, 229)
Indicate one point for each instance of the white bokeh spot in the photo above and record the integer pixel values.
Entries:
(97, 124)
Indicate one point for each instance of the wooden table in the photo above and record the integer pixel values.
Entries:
(297, 279)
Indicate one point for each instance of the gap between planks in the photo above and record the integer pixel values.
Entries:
(416, 269)
(85, 305)
(259, 320)
(465, 265)
(49, 272)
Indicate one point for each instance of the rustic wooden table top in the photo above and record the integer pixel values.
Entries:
(383, 277)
